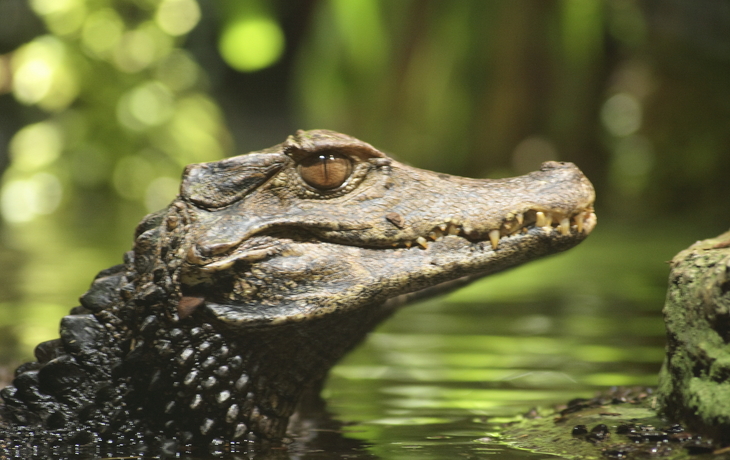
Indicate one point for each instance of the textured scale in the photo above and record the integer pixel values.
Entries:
(237, 299)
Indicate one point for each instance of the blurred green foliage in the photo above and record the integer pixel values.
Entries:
(126, 103)
(134, 90)
(102, 103)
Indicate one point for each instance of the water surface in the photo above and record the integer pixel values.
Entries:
(439, 378)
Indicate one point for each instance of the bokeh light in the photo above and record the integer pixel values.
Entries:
(178, 71)
(36, 146)
(177, 17)
(621, 114)
(160, 192)
(23, 199)
(137, 49)
(63, 17)
(251, 43)
(42, 74)
(102, 31)
(149, 104)
(195, 132)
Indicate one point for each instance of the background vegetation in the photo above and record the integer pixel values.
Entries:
(103, 102)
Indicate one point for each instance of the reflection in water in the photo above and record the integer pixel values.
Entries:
(439, 378)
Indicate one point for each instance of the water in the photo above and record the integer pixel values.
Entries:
(440, 378)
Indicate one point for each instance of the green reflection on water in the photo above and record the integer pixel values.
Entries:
(540, 335)
(442, 374)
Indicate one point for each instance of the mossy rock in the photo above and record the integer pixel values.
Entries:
(690, 411)
(694, 383)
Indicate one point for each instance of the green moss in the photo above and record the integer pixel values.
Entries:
(711, 400)
(694, 384)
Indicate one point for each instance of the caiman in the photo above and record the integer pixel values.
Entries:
(262, 273)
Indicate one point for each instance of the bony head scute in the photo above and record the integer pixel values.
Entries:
(325, 170)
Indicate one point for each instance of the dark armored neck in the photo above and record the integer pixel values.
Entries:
(199, 380)
(200, 383)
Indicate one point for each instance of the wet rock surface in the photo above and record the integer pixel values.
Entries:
(620, 423)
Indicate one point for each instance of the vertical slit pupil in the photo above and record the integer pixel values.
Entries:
(325, 171)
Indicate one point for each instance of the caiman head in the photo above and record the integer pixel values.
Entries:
(326, 223)
(269, 266)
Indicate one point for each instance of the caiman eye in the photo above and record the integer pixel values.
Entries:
(325, 171)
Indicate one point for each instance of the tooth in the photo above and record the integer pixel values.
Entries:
(219, 265)
(453, 229)
(579, 221)
(565, 226)
(541, 220)
(548, 220)
(442, 227)
(434, 235)
(408, 243)
(467, 230)
(422, 242)
(193, 257)
(494, 238)
(520, 218)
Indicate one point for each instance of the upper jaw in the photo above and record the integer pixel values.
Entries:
(580, 221)
(449, 229)
(424, 207)
(332, 278)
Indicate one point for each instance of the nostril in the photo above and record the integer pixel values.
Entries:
(548, 165)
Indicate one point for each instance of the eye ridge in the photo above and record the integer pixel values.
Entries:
(325, 170)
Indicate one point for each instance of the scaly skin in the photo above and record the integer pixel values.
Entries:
(265, 270)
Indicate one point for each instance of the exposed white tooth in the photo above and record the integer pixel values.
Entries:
(467, 230)
(520, 218)
(548, 220)
(422, 242)
(442, 227)
(565, 226)
(453, 229)
(541, 221)
(579, 221)
(434, 235)
(218, 265)
(408, 244)
(494, 238)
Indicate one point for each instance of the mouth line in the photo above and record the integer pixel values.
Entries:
(513, 224)
(577, 222)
